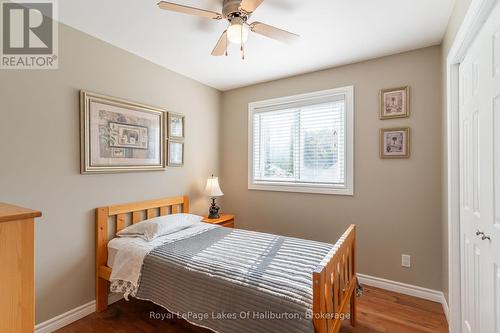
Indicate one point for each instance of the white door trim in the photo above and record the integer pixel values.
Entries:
(474, 20)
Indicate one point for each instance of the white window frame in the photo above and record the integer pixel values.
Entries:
(300, 101)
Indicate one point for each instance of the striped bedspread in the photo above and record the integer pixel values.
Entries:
(235, 281)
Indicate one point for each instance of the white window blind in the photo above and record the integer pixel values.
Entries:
(300, 143)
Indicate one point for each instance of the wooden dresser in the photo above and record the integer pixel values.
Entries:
(17, 269)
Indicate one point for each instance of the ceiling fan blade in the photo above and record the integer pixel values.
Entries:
(249, 6)
(189, 10)
(273, 32)
(221, 47)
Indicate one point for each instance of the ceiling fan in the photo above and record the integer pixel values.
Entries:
(237, 13)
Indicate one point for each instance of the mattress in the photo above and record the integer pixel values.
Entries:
(227, 272)
(112, 250)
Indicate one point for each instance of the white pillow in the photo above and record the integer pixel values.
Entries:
(160, 226)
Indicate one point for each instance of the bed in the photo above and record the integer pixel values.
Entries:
(243, 281)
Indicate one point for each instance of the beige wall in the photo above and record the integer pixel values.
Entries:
(397, 203)
(456, 19)
(40, 159)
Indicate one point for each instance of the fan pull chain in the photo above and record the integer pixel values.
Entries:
(227, 42)
(242, 48)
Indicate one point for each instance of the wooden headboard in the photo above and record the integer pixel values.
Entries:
(119, 215)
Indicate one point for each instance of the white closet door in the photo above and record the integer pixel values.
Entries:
(480, 180)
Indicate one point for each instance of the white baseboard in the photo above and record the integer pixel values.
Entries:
(406, 289)
(66, 318)
(71, 316)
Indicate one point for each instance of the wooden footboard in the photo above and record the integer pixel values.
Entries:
(334, 283)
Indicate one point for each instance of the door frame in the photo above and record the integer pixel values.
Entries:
(476, 16)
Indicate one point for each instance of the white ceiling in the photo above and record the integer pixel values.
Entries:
(333, 33)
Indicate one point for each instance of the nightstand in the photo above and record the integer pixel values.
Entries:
(225, 220)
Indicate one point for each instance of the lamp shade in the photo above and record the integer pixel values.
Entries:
(237, 33)
(213, 187)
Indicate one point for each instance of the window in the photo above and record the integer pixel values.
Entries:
(302, 143)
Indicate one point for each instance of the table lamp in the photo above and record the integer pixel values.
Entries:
(213, 191)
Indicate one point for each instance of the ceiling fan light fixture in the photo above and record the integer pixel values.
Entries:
(237, 13)
(238, 31)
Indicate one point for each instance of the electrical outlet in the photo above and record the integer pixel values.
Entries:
(406, 260)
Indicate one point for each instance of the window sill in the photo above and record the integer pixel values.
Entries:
(301, 189)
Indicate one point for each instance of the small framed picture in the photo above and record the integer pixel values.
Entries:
(395, 103)
(175, 126)
(395, 142)
(175, 153)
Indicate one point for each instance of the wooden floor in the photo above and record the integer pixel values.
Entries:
(378, 311)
